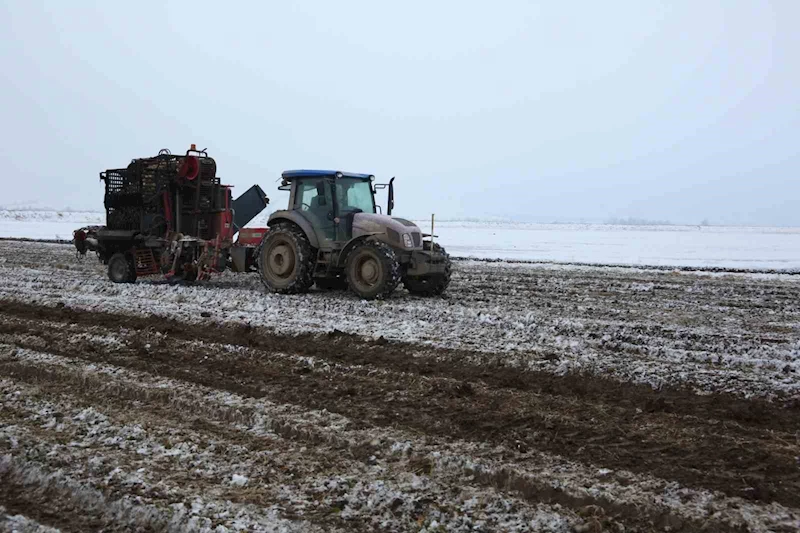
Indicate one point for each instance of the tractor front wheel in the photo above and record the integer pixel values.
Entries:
(372, 270)
(121, 269)
(286, 260)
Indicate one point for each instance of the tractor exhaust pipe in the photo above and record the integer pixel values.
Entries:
(390, 202)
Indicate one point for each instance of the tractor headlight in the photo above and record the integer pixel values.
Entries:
(407, 240)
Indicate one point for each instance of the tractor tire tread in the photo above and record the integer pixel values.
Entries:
(129, 275)
(390, 264)
(305, 258)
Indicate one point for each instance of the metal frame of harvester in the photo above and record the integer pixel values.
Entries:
(171, 215)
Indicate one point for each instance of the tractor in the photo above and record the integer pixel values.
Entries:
(333, 235)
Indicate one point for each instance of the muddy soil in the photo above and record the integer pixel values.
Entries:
(207, 423)
(744, 449)
(736, 334)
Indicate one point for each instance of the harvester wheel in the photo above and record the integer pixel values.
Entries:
(434, 284)
(286, 260)
(121, 269)
(372, 270)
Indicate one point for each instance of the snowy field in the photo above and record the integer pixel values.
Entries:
(529, 398)
(686, 246)
(683, 246)
(46, 224)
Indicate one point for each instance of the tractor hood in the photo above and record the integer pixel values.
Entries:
(393, 229)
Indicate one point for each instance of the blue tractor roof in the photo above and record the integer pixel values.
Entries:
(293, 174)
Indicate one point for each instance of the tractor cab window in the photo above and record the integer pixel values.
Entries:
(313, 198)
(354, 195)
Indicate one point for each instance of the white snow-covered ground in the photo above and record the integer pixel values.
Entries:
(147, 429)
(31, 224)
(628, 324)
(690, 246)
(685, 246)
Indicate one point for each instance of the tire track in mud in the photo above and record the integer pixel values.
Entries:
(12, 522)
(631, 509)
(52, 500)
(675, 311)
(601, 422)
(296, 482)
(556, 321)
(719, 329)
(411, 358)
(399, 499)
(633, 326)
(597, 422)
(579, 294)
(683, 314)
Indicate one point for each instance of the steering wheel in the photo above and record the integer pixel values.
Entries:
(307, 207)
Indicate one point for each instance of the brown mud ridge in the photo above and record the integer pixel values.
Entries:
(744, 448)
(48, 507)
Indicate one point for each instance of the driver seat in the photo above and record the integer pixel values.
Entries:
(318, 207)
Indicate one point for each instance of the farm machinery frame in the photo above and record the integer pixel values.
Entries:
(171, 215)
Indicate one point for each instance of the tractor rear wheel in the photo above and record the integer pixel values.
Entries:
(433, 284)
(372, 270)
(286, 260)
(121, 269)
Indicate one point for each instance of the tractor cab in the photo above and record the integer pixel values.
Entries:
(329, 200)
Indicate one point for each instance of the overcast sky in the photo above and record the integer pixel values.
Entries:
(679, 110)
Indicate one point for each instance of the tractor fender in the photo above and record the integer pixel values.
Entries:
(296, 218)
(352, 243)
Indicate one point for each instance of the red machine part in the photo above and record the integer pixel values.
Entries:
(226, 220)
(167, 210)
(190, 167)
(251, 236)
(80, 241)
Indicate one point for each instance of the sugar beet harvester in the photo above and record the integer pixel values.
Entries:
(171, 215)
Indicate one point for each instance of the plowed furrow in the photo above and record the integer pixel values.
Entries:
(650, 435)
(166, 400)
(294, 461)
